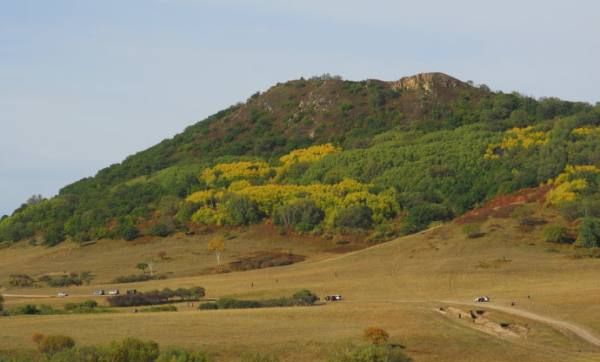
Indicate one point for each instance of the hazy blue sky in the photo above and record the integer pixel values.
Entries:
(85, 83)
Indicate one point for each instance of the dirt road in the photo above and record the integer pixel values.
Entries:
(577, 330)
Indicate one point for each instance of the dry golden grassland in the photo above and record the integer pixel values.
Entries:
(398, 286)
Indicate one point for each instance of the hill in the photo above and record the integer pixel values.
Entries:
(330, 156)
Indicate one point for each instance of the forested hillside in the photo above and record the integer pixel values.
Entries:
(329, 155)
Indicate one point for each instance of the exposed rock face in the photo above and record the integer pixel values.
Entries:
(428, 82)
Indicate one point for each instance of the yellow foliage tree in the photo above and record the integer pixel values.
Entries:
(237, 170)
(517, 137)
(570, 183)
(217, 246)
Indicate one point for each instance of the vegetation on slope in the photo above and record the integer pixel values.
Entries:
(388, 156)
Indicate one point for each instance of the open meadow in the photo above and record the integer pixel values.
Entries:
(415, 287)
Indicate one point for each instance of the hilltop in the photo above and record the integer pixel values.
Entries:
(326, 156)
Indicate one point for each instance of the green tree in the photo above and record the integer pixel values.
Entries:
(142, 266)
(242, 211)
(53, 344)
(355, 217)
(555, 234)
(589, 233)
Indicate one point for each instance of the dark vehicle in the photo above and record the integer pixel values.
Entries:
(482, 299)
(131, 291)
(333, 298)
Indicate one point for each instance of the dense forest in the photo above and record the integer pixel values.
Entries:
(328, 155)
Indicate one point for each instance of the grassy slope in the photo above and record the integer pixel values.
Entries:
(397, 285)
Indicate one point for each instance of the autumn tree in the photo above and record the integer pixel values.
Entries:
(375, 335)
(217, 245)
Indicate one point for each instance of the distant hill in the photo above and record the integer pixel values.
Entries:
(326, 155)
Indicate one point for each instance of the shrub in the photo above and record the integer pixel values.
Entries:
(556, 234)
(420, 216)
(128, 232)
(473, 231)
(80, 354)
(53, 344)
(375, 335)
(230, 303)
(589, 233)
(155, 297)
(355, 217)
(305, 297)
(20, 280)
(138, 278)
(66, 280)
(133, 350)
(259, 357)
(83, 307)
(208, 306)
(163, 308)
(29, 309)
(179, 355)
(301, 298)
(160, 229)
(370, 353)
(1, 303)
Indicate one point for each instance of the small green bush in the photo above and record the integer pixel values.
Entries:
(160, 229)
(556, 234)
(162, 308)
(133, 350)
(589, 233)
(179, 355)
(208, 306)
(53, 344)
(473, 231)
(20, 280)
(369, 353)
(79, 354)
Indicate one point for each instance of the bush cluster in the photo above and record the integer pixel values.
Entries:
(156, 297)
(138, 278)
(301, 298)
(20, 280)
(59, 348)
(66, 280)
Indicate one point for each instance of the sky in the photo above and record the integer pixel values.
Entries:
(85, 83)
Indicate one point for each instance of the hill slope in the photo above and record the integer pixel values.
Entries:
(398, 155)
(398, 286)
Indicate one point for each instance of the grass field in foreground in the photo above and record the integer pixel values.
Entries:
(398, 286)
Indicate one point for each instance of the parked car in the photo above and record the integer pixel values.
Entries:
(62, 294)
(113, 292)
(131, 291)
(482, 299)
(99, 292)
(333, 298)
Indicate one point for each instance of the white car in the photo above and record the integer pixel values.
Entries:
(62, 294)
